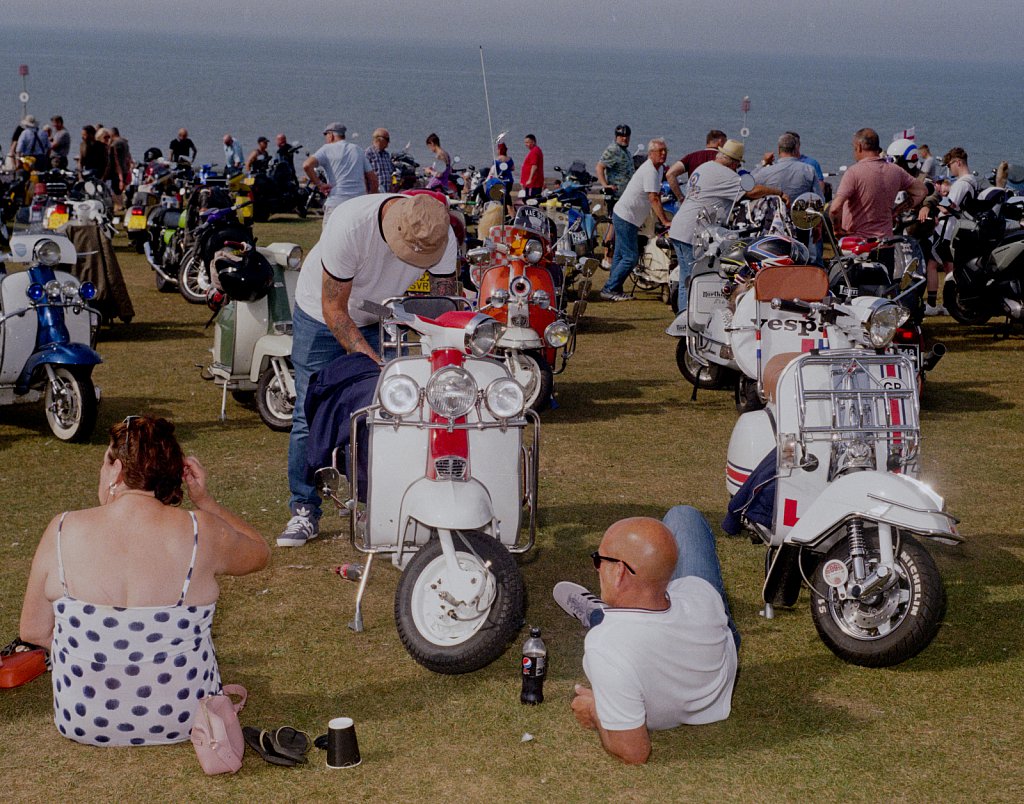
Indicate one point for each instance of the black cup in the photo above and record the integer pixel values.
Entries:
(342, 747)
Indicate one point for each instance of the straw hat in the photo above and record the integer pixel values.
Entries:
(416, 230)
(29, 121)
(733, 149)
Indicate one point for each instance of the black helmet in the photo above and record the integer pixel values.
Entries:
(152, 154)
(623, 130)
(245, 277)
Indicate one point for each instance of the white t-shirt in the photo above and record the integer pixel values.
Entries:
(964, 187)
(712, 186)
(633, 205)
(663, 668)
(353, 247)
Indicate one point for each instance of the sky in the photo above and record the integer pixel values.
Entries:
(983, 30)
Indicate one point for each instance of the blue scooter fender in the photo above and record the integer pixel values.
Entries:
(60, 354)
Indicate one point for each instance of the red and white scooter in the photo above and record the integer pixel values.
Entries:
(451, 479)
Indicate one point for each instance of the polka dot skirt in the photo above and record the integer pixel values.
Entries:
(130, 676)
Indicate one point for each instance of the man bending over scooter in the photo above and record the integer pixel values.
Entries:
(661, 646)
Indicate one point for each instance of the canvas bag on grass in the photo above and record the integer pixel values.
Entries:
(216, 732)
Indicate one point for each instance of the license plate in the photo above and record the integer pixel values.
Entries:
(56, 219)
(136, 222)
(911, 351)
(421, 285)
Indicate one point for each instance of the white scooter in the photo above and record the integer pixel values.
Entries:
(826, 478)
(252, 343)
(452, 474)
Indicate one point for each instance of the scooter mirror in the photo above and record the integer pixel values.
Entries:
(806, 211)
(328, 481)
(557, 169)
(457, 159)
(747, 182)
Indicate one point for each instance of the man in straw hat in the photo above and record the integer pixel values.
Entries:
(714, 186)
(34, 142)
(372, 248)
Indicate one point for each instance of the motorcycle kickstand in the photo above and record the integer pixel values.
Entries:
(224, 403)
(357, 621)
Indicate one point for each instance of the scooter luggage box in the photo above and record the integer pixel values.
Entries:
(20, 668)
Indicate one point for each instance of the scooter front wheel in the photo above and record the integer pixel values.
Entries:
(890, 626)
(70, 404)
(273, 402)
(533, 373)
(193, 278)
(451, 636)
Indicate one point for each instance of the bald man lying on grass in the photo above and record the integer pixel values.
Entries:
(661, 646)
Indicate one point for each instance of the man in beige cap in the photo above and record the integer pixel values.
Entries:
(373, 247)
(714, 186)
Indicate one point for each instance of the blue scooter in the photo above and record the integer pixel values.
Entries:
(47, 331)
(579, 235)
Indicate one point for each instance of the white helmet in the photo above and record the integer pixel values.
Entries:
(904, 153)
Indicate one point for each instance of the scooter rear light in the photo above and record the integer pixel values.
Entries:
(450, 467)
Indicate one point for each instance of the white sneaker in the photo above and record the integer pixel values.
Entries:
(579, 602)
(606, 263)
(300, 529)
(937, 309)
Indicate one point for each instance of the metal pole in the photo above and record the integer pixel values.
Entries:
(492, 147)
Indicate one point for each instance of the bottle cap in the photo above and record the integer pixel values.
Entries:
(534, 631)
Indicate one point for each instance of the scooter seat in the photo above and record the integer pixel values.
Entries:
(772, 372)
(804, 282)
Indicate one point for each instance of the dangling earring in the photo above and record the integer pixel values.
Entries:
(110, 490)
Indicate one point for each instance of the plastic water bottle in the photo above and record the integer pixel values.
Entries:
(535, 667)
(350, 572)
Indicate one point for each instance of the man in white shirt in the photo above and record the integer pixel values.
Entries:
(662, 647)
(372, 248)
(964, 186)
(714, 186)
(641, 196)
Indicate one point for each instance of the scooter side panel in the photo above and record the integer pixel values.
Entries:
(19, 334)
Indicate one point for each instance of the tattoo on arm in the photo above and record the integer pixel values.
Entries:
(335, 307)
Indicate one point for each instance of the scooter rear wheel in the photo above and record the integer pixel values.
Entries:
(193, 278)
(709, 376)
(453, 638)
(70, 404)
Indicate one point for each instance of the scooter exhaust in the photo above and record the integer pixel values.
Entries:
(930, 360)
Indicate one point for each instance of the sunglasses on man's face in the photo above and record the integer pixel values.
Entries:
(597, 558)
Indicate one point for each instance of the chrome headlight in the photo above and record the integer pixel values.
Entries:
(533, 251)
(557, 334)
(47, 252)
(70, 290)
(482, 334)
(451, 392)
(53, 290)
(882, 323)
(541, 298)
(499, 298)
(504, 398)
(399, 395)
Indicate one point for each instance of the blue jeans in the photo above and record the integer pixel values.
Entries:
(684, 254)
(627, 254)
(697, 554)
(313, 347)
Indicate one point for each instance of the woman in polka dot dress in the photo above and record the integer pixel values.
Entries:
(124, 594)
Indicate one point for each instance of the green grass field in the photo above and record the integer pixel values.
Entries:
(624, 440)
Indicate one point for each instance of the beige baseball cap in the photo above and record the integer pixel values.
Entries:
(416, 230)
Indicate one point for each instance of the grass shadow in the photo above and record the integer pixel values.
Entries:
(149, 331)
(948, 400)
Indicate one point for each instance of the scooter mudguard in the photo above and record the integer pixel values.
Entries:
(896, 500)
(446, 504)
(677, 329)
(269, 346)
(61, 354)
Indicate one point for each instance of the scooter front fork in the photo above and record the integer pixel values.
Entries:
(862, 583)
(463, 585)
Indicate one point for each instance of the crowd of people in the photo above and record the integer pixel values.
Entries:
(129, 633)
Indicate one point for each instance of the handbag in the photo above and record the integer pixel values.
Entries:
(216, 732)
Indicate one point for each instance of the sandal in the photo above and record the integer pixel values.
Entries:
(290, 743)
(262, 743)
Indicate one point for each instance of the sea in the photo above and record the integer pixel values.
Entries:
(151, 84)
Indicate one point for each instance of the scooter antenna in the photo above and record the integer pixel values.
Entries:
(492, 145)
